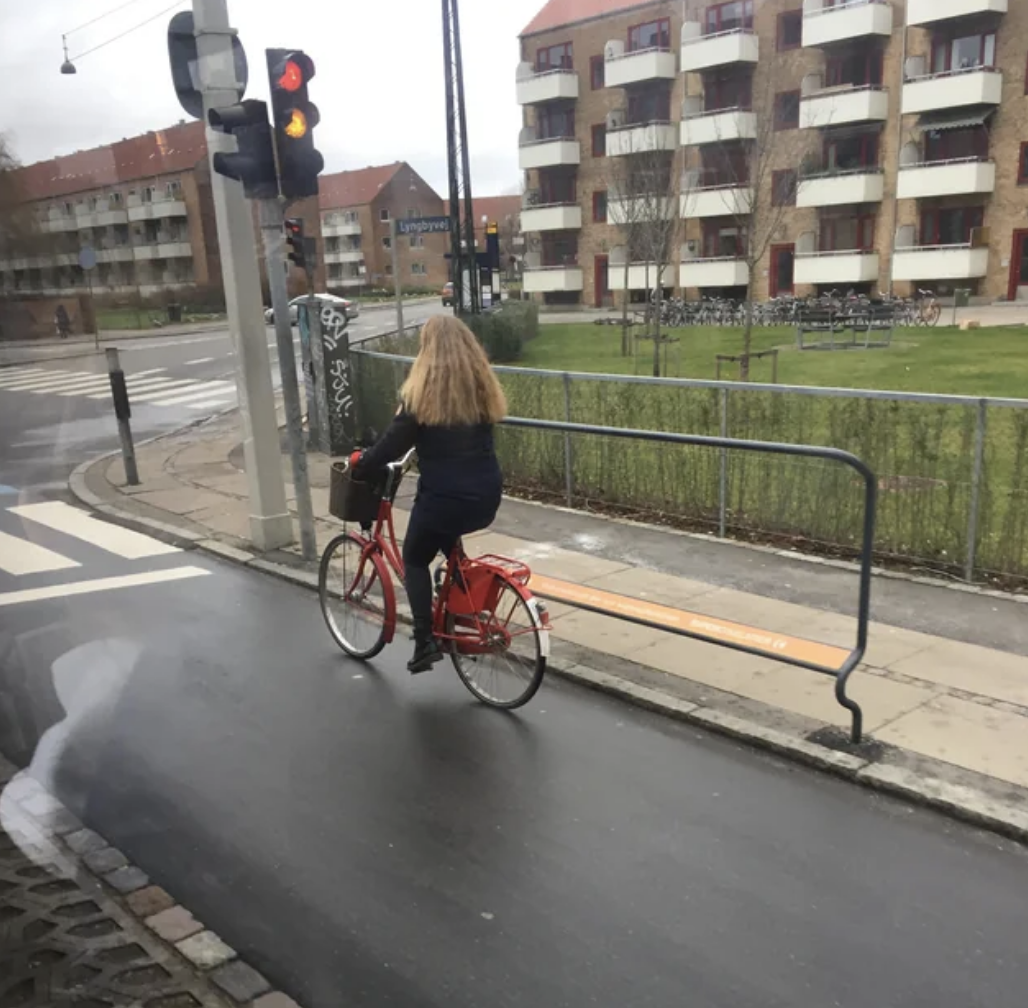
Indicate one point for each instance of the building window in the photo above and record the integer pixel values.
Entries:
(114, 200)
(389, 269)
(148, 194)
(173, 188)
(956, 144)
(68, 210)
(1022, 165)
(851, 153)
(723, 240)
(555, 57)
(600, 207)
(649, 106)
(418, 269)
(790, 30)
(597, 72)
(848, 234)
(652, 35)
(787, 110)
(734, 16)
(964, 53)
(599, 137)
(783, 187)
(383, 214)
(387, 242)
(555, 123)
(728, 91)
(951, 225)
(417, 241)
(855, 69)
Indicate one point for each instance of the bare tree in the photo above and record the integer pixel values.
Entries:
(18, 228)
(754, 176)
(642, 199)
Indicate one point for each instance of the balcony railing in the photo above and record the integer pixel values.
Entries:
(704, 52)
(534, 87)
(952, 177)
(976, 85)
(843, 22)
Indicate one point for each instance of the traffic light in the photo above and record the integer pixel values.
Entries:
(293, 118)
(254, 164)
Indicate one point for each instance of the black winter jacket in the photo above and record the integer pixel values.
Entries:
(460, 485)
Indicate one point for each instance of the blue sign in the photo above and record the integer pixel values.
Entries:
(423, 225)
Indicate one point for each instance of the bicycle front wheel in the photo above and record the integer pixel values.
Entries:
(499, 654)
(356, 596)
(931, 312)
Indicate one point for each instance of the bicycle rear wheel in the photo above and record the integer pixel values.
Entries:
(931, 313)
(356, 596)
(504, 665)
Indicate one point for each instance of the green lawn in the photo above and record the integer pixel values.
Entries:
(109, 319)
(980, 362)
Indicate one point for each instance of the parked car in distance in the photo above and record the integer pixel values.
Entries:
(448, 295)
(350, 308)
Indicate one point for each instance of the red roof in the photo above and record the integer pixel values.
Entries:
(354, 188)
(175, 149)
(558, 13)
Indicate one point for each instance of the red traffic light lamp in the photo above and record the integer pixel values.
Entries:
(294, 117)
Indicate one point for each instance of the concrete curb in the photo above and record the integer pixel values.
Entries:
(171, 925)
(968, 804)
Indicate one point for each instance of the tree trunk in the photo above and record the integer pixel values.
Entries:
(747, 332)
(625, 341)
(656, 326)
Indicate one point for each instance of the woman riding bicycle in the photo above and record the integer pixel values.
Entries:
(448, 407)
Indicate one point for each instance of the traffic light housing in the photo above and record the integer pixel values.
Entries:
(254, 164)
(293, 118)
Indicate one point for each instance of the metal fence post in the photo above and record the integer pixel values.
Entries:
(722, 501)
(569, 476)
(978, 466)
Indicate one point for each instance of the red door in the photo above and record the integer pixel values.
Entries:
(782, 260)
(1018, 264)
(601, 281)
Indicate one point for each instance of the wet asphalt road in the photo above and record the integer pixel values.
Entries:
(369, 839)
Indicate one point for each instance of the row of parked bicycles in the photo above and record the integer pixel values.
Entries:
(921, 310)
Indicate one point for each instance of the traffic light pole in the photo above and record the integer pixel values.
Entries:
(397, 286)
(270, 522)
(272, 227)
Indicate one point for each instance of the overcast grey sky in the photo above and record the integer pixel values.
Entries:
(379, 83)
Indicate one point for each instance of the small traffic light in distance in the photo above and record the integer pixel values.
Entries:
(254, 163)
(296, 243)
(293, 118)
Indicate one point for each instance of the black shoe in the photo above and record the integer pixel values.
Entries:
(426, 654)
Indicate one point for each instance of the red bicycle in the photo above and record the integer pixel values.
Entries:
(495, 631)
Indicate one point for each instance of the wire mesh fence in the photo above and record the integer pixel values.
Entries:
(952, 470)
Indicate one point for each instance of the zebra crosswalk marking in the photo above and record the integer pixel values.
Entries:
(208, 391)
(121, 542)
(147, 385)
(14, 386)
(19, 557)
(63, 591)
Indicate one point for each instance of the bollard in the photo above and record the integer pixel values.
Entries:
(122, 410)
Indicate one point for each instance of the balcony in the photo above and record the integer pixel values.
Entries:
(549, 153)
(553, 85)
(842, 105)
(641, 276)
(550, 279)
(946, 178)
(713, 273)
(622, 69)
(926, 12)
(716, 201)
(162, 250)
(852, 19)
(703, 52)
(940, 262)
(626, 209)
(109, 255)
(344, 256)
(955, 89)
(551, 217)
(340, 230)
(641, 138)
(847, 267)
(156, 210)
(100, 218)
(718, 127)
(866, 185)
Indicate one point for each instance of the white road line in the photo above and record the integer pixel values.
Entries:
(100, 585)
(14, 386)
(199, 360)
(19, 556)
(207, 403)
(181, 387)
(16, 373)
(209, 390)
(147, 385)
(58, 384)
(71, 521)
(97, 382)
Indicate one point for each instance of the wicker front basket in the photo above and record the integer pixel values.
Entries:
(352, 500)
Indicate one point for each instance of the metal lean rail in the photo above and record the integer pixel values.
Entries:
(841, 674)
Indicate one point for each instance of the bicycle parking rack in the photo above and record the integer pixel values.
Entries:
(836, 662)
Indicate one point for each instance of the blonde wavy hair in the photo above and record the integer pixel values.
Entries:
(451, 383)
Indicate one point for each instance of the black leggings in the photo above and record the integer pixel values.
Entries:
(421, 546)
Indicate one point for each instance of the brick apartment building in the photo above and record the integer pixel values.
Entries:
(356, 209)
(893, 143)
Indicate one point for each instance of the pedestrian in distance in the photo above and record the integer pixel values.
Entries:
(448, 408)
(62, 322)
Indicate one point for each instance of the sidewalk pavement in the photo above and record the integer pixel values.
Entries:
(947, 718)
(80, 925)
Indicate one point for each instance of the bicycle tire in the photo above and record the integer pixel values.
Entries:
(367, 617)
(529, 669)
(932, 311)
